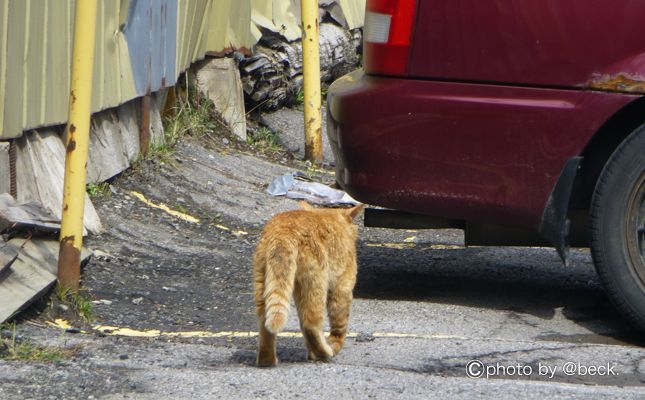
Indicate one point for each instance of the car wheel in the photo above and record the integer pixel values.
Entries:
(618, 228)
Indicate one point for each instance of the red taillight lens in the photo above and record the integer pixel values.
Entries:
(388, 36)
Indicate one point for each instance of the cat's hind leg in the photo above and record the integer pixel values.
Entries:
(338, 306)
(310, 298)
(266, 347)
(266, 352)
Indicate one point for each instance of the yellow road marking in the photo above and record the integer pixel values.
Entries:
(163, 207)
(443, 247)
(128, 332)
(409, 245)
(398, 246)
(227, 229)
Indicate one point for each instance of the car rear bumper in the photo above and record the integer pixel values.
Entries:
(474, 152)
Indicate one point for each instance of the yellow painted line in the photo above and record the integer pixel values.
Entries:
(128, 332)
(408, 244)
(227, 229)
(59, 323)
(398, 246)
(163, 207)
(443, 247)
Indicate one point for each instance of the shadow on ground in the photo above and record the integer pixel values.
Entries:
(517, 281)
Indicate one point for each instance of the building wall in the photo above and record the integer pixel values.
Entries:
(141, 47)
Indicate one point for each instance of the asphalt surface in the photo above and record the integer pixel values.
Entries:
(425, 307)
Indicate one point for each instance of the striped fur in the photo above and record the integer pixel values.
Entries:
(309, 254)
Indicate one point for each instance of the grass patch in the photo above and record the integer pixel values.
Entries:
(181, 209)
(12, 349)
(97, 190)
(192, 116)
(80, 303)
(264, 140)
(190, 119)
(299, 97)
(311, 170)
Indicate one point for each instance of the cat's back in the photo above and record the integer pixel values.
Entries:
(319, 225)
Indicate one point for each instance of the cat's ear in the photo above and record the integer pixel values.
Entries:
(305, 206)
(354, 211)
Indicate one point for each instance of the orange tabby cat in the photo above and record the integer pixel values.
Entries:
(310, 253)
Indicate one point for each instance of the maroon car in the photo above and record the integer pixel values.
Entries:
(520, 122)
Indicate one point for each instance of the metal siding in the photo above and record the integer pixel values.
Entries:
(15, 58)
(229, 27)
(4, 28)
(354, 12)
(151, 33)
(218, 24)
(191, 19)
(36, 62)
(239, 29)
(141, 45)
(58, 63)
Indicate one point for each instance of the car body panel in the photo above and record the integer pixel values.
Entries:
(554, 43)
(474, 152)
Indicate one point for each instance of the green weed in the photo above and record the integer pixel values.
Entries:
(299, 97)
(12, 349)
(80, 303)
(265, 140)
(181, 208)
(96, 190)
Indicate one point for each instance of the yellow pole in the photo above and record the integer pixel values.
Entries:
(77, 136)
(311, 72)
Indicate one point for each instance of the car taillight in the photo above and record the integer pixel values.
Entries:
(388, 36)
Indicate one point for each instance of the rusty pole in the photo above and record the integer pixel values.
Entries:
(77, 135)
(144, 126)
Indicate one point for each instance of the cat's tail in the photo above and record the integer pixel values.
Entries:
(278, 285)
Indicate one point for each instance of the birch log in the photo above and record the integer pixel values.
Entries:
(272, 76)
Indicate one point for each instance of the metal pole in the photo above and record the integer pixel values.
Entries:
(77, 136)
(311, 72)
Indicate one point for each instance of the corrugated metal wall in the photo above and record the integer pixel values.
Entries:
(142, 46)
(34, 63)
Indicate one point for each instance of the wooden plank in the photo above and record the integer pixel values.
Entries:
(27, 216)
(41, 170)
(5, 181)
(8, 254)
(106, 155)
(30, 276)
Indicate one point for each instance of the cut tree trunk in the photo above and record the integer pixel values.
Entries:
(272, 77)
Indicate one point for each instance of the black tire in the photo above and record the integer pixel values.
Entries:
(618, 228)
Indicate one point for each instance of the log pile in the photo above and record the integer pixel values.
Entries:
(272, 76)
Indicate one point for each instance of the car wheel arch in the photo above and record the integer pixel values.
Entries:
(601, 146)
(565, 217)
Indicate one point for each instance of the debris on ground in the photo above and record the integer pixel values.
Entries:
(292, 186)
(27, 216)
(28, 254)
